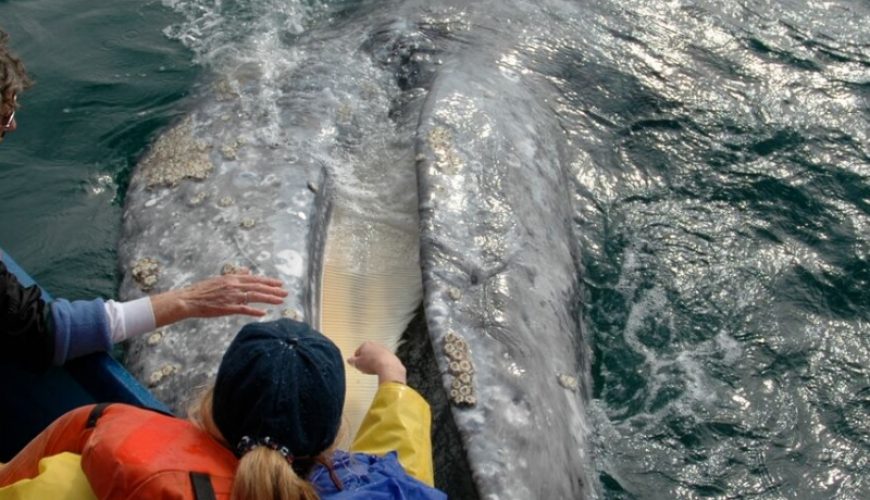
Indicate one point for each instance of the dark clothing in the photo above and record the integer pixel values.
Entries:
(25, 334)
(35, 334)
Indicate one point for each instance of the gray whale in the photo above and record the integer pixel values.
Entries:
(395, 118)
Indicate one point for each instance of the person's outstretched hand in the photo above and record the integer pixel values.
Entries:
(218, 296)
(376, 359)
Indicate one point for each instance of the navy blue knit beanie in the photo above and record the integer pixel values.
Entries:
(280, 380)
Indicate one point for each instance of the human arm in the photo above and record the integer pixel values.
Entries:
(375, 359)
(83, 327)
(218, 296)
(25, 336)
(37, 333)
(399, 419)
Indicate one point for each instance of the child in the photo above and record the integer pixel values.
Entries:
(265, 430)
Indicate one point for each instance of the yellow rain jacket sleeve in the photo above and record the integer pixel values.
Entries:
(60, 478)
(399, 419)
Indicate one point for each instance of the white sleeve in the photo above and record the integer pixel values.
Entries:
(129, 319)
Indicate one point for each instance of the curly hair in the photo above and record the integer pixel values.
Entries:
(13, 76)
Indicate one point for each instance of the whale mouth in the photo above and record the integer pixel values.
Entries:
(370, 288)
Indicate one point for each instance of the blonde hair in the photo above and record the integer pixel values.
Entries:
(262, 473)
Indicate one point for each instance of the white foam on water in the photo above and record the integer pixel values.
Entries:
(731, 349)
(680, 366)
(213, 29)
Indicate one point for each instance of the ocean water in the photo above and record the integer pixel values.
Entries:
(107, 79)
(720, 169)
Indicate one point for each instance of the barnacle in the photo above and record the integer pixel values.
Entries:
(197, 199)
(568, 382)
(460, 366)
(175, 156)
(155, 338)
(145, 272)
(155, 378)
(230, 268)
(292, 314)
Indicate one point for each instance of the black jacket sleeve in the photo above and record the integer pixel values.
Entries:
(25, 333)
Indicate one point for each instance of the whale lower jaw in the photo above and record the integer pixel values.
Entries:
(501, 283)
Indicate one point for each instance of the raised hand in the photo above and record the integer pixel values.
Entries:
(376, 359)
(218, 296)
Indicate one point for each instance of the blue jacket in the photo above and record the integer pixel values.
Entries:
(371, 477)
(36, 332)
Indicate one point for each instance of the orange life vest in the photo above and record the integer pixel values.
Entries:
(136, 453)
(129, 452)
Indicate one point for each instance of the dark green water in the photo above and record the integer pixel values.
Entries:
(723, 212)
(107, 79)
(721, 162)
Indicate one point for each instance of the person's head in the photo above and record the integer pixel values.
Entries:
(277, 403)
(13, 81)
